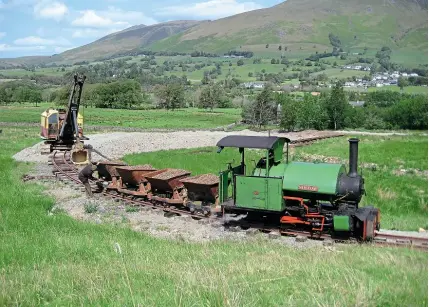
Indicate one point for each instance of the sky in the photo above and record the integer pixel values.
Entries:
(46, 27)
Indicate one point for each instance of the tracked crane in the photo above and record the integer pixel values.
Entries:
(60, 128)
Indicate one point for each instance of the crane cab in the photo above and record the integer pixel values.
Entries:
(51, 122)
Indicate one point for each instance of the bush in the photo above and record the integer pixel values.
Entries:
(410, 113)
(372, 121)
(132, 209)
(90, 207)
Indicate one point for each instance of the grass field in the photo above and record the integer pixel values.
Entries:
(183, 118)
(18, 72)
(242, 72)
(55, 260)
(402, 199)
(337, 73)
(407, 89)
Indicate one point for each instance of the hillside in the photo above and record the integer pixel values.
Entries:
(131, 38)
(306, 24)
(128, 39)
(303, 26)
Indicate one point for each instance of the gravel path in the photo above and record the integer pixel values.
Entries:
(117, 144)
(152, 221)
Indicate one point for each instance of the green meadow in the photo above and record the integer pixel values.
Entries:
(55, 260)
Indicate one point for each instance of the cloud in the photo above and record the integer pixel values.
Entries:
(2, 34)
(38, 41)
(209, 9)
(90, 18)
(93, 33)
(50, 9)
(6, 47)
(111, 18)
(133, 17)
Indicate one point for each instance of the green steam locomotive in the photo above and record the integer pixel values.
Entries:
(315, 197)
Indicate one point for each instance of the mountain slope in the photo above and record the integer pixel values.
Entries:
(128, 39)
(358, 23)
(131, 38)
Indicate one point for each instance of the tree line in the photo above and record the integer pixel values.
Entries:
(331, 110)
(20, 92)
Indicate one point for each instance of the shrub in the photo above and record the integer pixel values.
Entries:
(90, 207)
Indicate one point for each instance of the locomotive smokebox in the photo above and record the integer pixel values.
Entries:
(353, 157)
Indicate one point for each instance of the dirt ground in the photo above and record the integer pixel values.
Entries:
(71, 200)
(117, 144)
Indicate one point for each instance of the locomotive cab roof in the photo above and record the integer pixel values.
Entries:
(273, 144)
(244, 141)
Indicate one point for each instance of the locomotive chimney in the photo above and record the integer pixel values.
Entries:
(353, 157)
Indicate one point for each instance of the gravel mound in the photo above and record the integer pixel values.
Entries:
(117, 144)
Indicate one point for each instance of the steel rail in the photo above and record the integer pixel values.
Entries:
(381, 239)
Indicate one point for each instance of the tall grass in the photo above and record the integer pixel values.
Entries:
(55, 260)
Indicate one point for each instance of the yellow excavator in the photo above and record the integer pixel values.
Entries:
(63, 129)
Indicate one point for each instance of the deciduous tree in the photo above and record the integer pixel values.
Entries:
(336, 104)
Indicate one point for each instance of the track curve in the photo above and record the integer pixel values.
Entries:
(64, 169)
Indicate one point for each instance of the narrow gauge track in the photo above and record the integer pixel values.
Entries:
(64, 169)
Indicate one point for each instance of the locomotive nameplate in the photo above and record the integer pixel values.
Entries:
(310, 188)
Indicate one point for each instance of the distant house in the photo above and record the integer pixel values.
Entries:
(259, 85)
(413, 75)
(357, 103)
(315, 93)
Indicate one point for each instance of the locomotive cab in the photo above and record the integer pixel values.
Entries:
(52, 121)
(265, 181)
